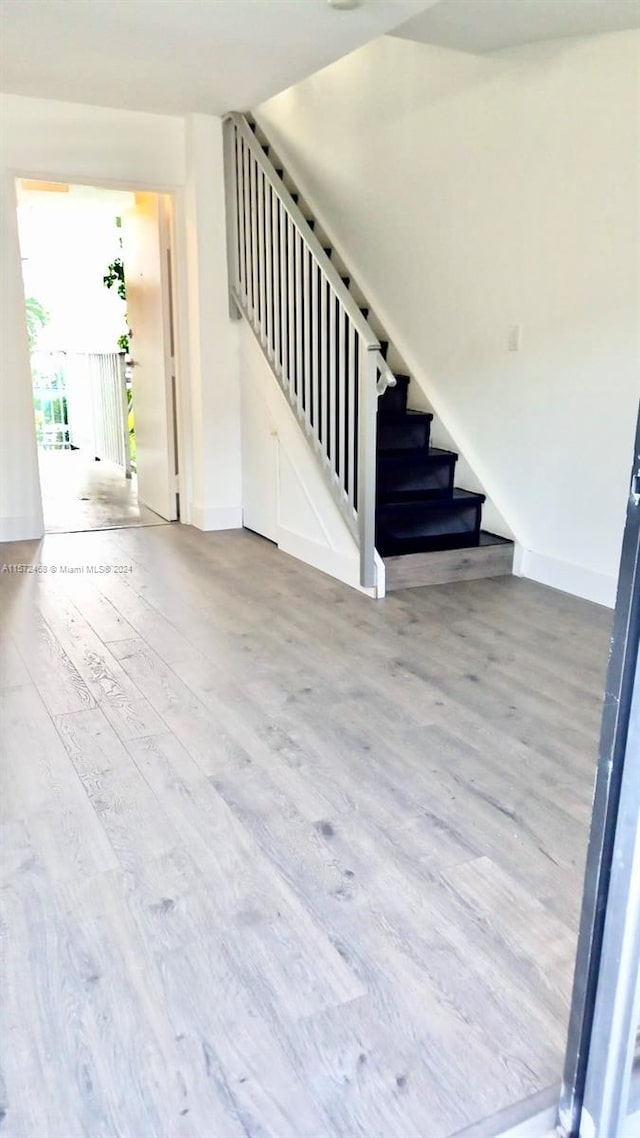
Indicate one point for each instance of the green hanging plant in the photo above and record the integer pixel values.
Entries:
(114, 277)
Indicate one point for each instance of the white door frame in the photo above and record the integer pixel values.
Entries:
(182, 402)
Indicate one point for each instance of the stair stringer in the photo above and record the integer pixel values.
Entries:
(308, 522)
(471, 472)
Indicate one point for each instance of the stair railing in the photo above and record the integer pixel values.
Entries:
(321, 349)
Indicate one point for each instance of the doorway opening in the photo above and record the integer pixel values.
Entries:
(98, 301)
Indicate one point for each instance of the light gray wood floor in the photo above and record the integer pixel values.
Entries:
(279, 861)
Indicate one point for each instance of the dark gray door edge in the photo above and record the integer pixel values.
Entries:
(623, 659)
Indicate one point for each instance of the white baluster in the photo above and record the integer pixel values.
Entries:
(291, 303)
(352, 396)
(262, 318)
(367, 412)
(315, 347)
(342, 395)
(306, 290)
(323, 421)
(332, 380)
(255, 284)
(299, 316)
(246, 181)
(268, 267)
(275, 254)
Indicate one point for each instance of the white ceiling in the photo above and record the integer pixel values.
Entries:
(489, 25)
(179, 55)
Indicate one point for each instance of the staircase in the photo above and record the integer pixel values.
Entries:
(395, 490)
(418, 508)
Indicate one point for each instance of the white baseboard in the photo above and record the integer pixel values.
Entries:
(216, 517)
(575, 579)
(21, 529)
(327, 560)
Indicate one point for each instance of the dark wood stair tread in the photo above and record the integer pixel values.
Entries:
(410, 414)
(418, 455)
(458, 499)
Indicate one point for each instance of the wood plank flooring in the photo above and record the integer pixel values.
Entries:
(279, 861)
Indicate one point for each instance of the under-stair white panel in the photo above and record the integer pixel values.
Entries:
(284, 495)
(259, 458)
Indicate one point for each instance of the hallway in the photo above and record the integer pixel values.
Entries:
(280, 861)
(79, 493)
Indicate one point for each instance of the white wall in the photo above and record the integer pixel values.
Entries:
(49, 140)
(71, 142)
(20, 501)
(285, 497)
(469, 194)
(213, 337)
